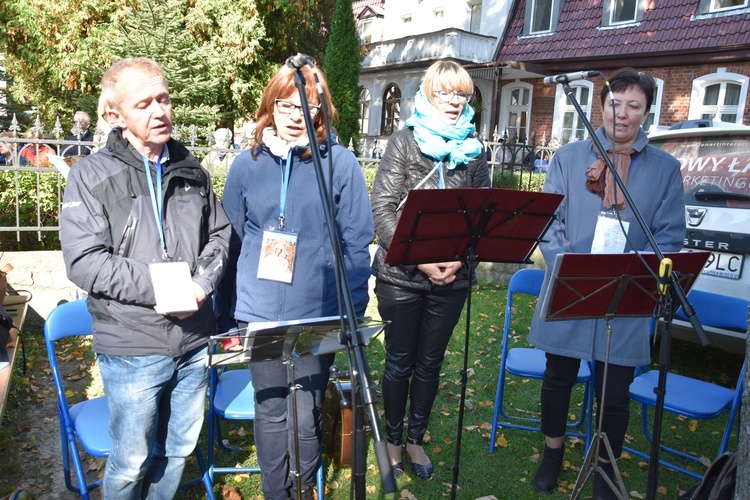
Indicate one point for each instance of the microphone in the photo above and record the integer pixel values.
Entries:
(299, 60)
(570, 77)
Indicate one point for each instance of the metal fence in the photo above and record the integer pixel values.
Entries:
(31, 185)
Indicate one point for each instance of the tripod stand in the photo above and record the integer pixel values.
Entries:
(288, 342)
(470, 225)
(588, 286)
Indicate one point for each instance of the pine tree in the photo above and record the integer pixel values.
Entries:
(343, 58)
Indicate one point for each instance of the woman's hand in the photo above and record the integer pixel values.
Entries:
(441, 273)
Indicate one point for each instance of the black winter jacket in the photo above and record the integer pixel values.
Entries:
(109, 236)
(402, 168)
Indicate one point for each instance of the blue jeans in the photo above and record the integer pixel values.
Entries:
(274, 429)
(156, 406)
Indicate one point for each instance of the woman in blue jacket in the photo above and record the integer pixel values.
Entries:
(281, 263)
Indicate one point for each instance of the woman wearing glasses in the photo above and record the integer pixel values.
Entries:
(437, 149)
(272, 200)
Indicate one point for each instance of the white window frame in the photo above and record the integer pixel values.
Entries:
(714, 8)
(609, 9)
(507, 107)
(697, 109)
(656, 104)
(530, 16)
(365, 107)
(561, 107)
(475, 15)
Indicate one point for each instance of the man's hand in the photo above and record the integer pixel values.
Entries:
(441, 273)
(200, 298)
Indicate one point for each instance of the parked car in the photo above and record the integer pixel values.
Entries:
(715, 159)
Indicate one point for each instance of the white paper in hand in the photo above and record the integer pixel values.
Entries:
(173, 287)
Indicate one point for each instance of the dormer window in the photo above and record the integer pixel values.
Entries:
(721, 6)
(622, 12)
(541, 16)
(406, 19)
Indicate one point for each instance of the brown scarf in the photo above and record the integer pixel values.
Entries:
(596, 179)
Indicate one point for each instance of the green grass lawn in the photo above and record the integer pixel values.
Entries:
(508, 472)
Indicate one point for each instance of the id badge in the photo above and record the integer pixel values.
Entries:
(609, 236)
(277, 255)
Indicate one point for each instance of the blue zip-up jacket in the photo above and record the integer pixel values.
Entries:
(252, 202)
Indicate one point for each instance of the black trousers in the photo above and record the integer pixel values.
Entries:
(557, 384)
(415, 341)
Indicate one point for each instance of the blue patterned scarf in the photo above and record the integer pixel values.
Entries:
(438, 139)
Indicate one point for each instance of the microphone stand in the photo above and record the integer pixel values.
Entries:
(668, 283)
(363, 393)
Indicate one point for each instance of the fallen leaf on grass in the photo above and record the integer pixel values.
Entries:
(501, 441)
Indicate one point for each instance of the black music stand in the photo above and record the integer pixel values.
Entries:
(592, 286)
(285, 341)
(470, 225)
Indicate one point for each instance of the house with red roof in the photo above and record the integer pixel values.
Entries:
(697, 50)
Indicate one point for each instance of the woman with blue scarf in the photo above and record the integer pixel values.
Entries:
(437, 149)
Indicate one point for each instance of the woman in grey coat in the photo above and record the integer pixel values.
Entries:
(592, 205)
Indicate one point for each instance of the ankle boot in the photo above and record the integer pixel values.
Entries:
(602, 491)
(545, 479)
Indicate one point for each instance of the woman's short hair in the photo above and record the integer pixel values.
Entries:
(625, 78)
(446, 75)
(281, 86)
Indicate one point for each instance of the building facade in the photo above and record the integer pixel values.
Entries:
(697, 50)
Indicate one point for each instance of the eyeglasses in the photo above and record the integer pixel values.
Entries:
(447, 96)
(286, 108)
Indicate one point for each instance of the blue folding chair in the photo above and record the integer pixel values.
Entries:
(528, 362)
(691, 397)
(85, 423)
(231, 397)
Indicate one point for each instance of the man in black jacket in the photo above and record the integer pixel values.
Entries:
(142, 203)
(79, 132)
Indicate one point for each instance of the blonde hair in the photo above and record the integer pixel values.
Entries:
(446, 75)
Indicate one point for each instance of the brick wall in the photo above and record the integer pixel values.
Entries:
(675, 103)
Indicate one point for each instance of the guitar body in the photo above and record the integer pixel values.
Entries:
(342, 436)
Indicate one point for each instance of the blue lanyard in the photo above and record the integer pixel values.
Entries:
(441, 180)
(285, 172)
(157, 202)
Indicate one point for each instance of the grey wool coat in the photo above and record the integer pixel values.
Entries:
(654, 182)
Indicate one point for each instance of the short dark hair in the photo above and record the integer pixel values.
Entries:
(625, 78)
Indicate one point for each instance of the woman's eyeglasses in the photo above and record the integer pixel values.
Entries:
(447, 96)
(287, 108)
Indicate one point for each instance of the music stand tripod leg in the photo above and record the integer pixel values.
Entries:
(293, 388)
(591, 461)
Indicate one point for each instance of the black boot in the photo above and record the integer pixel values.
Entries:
(602, 491)
(307, 492)
(545, 479)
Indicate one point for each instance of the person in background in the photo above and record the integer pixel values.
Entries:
(144, 199)
(36, 153)
(8, 150)
(79, 132)
(219, 159)
(592, 205)
(437, 149)
(272, 201)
